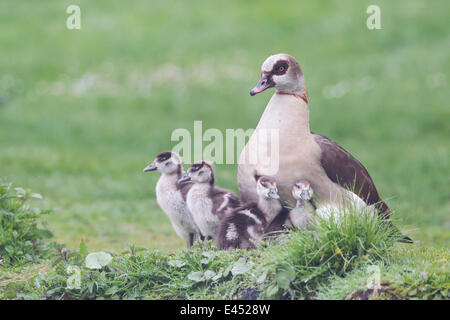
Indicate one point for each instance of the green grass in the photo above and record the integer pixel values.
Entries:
(421, 273)
(331, 262)
(82, 112)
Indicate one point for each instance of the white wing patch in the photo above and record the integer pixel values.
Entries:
(232, 233)
(225, 202)
(251, 215)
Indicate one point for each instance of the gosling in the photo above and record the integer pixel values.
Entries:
(302, 215)
(207, 203)
(171, 195)
(245, 227)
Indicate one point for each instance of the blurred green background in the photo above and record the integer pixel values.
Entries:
(83, 111)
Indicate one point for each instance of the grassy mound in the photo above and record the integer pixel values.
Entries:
(333, 261)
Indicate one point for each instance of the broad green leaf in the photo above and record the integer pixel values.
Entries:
(209, 274)
(196, 276)
(272, 291)
(262, 277)
(217, 276)
(112, 290)
(208, 254)
(240, 267)
(44, 234)
(284, 276)
(97, 260)
(176, 263)
(83, 249)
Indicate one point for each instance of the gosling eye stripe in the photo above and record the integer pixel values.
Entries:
(163, 156)
(196, 167)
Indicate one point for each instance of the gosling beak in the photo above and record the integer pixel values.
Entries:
(273, 194)
(184, 179)
(264, 83)
(150, 167)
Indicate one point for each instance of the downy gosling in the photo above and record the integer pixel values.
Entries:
(244, 228)
(171, 195)
(303, 214)
(207, 203)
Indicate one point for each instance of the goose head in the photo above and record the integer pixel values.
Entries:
(199, 172)
(166, 162)
(282, 72)
(302, 191)
(266, 187)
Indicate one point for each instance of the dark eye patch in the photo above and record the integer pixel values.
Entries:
(196, 167)
(163, 156)
(266, 181)
(280, 67)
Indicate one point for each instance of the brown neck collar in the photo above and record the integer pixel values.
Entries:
(303, 96)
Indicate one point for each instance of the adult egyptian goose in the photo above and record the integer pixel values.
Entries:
(171, 196)
(208, 203)
(297, 153)
(244, 228)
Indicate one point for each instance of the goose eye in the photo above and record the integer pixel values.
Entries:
(281, 69)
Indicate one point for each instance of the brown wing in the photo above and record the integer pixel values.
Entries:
(218, 196)
(342, 168)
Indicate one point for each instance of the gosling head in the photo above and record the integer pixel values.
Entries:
(302, 191)
(166, 162)
(266, 187)
(282, 72)
(199, 172)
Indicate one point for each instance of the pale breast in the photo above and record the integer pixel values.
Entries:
(200, 205)
(301, 217)
(172, 203)
(294, 155)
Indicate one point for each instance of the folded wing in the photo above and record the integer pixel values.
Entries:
(343, 169)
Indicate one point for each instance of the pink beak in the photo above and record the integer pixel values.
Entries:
(264, 83)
